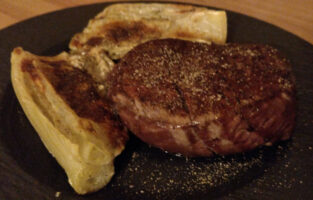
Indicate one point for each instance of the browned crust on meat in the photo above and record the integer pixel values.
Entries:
(231, 86)
(141, 81)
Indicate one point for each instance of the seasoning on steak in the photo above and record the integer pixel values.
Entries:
(198, 99)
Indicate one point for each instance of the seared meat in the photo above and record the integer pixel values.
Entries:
(198, 99)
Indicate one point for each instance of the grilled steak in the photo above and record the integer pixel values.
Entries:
(198, 99)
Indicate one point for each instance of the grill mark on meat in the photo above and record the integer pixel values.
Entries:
(214, 85)
(191, 134)
(179, 92)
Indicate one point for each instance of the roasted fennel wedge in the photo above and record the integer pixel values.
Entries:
(120, 27)
(74, 122)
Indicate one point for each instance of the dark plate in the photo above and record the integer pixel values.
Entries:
(28, 171)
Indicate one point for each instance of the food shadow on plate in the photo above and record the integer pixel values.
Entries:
(144, 172)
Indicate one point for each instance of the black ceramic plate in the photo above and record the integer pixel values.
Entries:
(28, 171)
